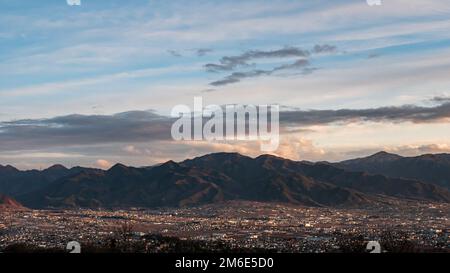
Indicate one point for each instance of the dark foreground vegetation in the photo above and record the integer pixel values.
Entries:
(155, 243)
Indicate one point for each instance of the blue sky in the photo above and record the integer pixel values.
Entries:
(108, 57)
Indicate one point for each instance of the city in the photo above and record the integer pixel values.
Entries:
(239, 226)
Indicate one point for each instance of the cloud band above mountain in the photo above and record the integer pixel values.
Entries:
(144, 126)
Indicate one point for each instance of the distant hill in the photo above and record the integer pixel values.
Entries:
(430, 168)
(221, 177)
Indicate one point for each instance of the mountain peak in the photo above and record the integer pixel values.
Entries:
(8, 168)
(384, 156)
(118, 168)
(170, 162)
(57, 167)
(269, 156)
(223, 156)
(218, 160)
(169, 165)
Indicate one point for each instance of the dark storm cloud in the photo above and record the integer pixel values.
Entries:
(144, 126)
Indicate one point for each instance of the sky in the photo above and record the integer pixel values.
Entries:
(94, 84)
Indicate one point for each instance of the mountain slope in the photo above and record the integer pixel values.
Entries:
(9, 203)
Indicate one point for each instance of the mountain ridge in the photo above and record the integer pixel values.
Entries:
(429, 168)
(221, 177)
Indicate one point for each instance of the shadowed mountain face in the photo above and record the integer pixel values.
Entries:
(430, 168)
(210, 179)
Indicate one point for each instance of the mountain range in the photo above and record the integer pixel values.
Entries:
(222, 177)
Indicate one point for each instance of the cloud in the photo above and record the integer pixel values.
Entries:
(238, 76)
(296, 148)
(414, 150)
(440, 99)
(324, 49)
(203, 51)
(403, 113)
(134, 150)
(75, 130)
(146, 126)
(229, 63)
(292, 147)
(103, 164)
(373, 55)
(295, 65)
(174, 53)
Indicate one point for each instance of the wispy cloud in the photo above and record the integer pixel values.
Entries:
(174, 53)
(229, 63)
(203, 51)
(238, 76)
